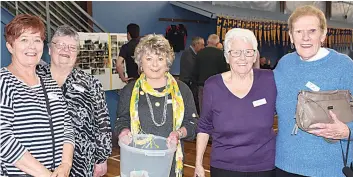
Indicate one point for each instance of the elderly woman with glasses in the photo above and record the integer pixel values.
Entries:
(238, 112)
(86, 104)
(315, 68)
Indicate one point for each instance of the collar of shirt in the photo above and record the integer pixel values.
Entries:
(193, 49)
(323, 52)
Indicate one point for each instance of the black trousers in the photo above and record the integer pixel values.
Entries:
(281, 173)
(216, 172)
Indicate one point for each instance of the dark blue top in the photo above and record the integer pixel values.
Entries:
(241, 129)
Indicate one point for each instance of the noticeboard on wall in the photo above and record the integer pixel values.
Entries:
(98, 55)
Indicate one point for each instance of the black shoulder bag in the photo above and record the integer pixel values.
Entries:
(50, 121)
(347, 171)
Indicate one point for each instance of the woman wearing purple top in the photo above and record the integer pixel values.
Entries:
(238, 112)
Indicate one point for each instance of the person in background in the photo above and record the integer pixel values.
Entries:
(127, 53)
(219, 46)
(187, 64)
(238, 114)
(36, 133)
(264, 63)
(86, 104)
(157, 103)
(209, 61)
(314, 68)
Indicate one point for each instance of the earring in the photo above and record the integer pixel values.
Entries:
(322, 44)
(291, 45)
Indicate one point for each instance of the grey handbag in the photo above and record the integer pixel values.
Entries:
(313, 107)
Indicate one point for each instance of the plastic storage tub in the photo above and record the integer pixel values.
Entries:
(148, 160)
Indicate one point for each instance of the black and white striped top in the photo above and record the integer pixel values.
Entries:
(24, 122)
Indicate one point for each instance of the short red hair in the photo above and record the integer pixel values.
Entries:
(22, 23)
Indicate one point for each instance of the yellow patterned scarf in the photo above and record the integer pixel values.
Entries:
(177, 104)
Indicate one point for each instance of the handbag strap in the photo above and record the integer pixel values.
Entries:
(50, 120)
(345, 157)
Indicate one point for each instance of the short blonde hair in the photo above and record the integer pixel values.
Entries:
(154, 44)
(307, 10)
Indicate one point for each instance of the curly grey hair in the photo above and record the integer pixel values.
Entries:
(154, 44)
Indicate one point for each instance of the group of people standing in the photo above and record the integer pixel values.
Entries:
(239, 106)
(54, 118)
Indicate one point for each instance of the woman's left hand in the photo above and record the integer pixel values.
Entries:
(100, 169)
(172, 140)
(337, 130)
(63, 170)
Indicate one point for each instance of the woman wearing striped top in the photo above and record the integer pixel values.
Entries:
(35, 139)
(86, 104)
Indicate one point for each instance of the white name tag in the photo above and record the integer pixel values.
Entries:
(259, 102)
(78, 88)
(169, 101)
(312, 86)
(53, 96)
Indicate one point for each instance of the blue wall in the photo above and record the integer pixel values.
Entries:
(6, 17)
(115, 16)
(5, 55)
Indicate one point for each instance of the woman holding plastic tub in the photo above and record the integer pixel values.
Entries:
(156, 100)
(310, 67)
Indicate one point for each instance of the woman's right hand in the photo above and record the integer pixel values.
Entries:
(125, 136)
(199, 171)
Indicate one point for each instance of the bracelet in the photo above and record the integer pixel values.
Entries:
(180, 133)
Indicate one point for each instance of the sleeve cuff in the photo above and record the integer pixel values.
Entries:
(70, 142)
(22, 151)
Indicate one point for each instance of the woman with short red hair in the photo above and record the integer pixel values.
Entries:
(36, 134)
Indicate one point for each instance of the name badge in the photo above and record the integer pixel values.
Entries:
(78, 88)
(53, 96)
(169, 101)
(312, 86)
(259, 102)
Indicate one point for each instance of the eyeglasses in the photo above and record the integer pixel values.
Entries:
(237, 53)
(72, 48)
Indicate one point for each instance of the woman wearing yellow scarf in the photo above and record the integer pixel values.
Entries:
(157, 103)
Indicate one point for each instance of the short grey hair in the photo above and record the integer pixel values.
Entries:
(239, 33)
(242, 34)
(66, 30)
(213, 38)
(196, 40)
(154, 44)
